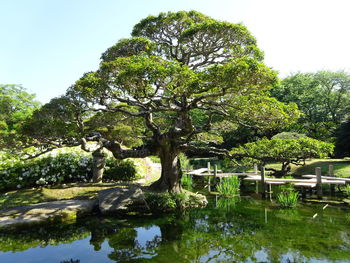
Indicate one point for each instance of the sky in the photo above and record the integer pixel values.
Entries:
(46, 45)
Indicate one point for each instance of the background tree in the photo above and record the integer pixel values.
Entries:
(176, 64)
(65, 122)
(16, 105)
(324, 99)
(285, 151)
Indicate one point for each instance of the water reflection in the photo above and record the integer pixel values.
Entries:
(229, 230)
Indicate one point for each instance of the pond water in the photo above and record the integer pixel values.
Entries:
(227, 230)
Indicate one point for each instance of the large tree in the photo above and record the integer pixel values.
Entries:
(323, 97)
(175, 66)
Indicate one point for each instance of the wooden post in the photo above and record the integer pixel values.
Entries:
(215, 173)
(209, 181)
(262, 181)
(318, 182)
(331, 173)
(255, 168)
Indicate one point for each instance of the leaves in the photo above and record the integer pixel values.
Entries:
(283, 150)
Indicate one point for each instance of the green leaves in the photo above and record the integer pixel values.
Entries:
(284, 150)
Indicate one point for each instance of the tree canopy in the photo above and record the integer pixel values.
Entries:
(283, 150)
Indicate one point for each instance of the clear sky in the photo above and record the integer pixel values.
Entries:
(46, 45)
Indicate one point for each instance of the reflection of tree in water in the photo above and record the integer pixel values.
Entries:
(126, 247)
(245, 231)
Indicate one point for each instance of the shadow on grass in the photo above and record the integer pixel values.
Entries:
(341, 168)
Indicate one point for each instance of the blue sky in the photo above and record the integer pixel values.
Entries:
(46, 45)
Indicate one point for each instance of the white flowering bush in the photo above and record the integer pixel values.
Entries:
(61, 166)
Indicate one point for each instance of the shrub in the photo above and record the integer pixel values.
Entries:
(168, 202)
(161, 201)
(120, 170)
(54, 168)
(228, 186)
(61, 166)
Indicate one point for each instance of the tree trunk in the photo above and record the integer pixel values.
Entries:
(99, 164)
(170, 179)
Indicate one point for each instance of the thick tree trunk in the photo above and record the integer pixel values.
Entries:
(99, 164)
(170, 179)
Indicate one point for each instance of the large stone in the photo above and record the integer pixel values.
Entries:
(43, 212)
(122, 200)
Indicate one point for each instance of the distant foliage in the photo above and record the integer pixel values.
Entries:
(63, 166)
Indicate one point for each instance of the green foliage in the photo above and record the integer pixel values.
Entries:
(186, 180)
(347, 191)
(323, 97)
(154, 159)
(185, 162)
(288, 198)
(229, 186)
(16, 105)
(161, 201)
(286, 151)
(289, 135)
(121, 170)
(167, 202)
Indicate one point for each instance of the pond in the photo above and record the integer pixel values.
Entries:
(227, 230)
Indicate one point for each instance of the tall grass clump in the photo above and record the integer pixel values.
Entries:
(228, 186)
(186, 180)
(288, 197)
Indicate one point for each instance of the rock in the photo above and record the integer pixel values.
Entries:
(46, 212)
(122, 200)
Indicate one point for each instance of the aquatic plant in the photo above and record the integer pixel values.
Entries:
(287, 199)
(228, 186)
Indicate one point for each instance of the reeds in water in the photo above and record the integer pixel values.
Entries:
(228, 186)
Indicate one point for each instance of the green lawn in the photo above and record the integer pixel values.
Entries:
(341, 167)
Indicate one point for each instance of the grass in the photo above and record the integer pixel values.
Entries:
(228, 186)
(341, 167)
(288, 199)
(32, 196)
